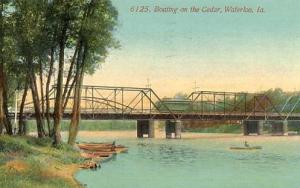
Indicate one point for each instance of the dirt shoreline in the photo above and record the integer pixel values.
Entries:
(185, 135)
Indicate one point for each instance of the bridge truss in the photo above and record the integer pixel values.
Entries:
(108, 102)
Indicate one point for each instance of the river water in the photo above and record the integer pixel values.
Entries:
(196, 163)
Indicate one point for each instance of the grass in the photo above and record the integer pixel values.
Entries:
(28, 162)
(235, 129)
(119, 125)
(92, 125)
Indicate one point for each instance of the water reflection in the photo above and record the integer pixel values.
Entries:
(167, 154)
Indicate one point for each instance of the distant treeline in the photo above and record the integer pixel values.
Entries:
(272, 100)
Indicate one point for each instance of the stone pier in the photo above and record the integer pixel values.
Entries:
(173, 129)
(146, 128)
(279, 128)
(253, 127)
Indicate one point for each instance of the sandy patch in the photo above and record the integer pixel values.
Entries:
(108, 134)
(17, 165)
(62, 171)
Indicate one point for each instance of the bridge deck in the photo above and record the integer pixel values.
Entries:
(167, 116)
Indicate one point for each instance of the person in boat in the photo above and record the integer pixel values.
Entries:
(113, 146)
(246, 144)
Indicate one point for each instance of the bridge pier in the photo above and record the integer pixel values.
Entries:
(279, 128)
(253, 127)
(173, 127)
(146, 127)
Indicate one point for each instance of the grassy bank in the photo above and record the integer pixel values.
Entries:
(235, 129)
(92, 125)
(119, 125)
(28, 162)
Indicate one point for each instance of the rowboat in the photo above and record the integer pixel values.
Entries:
(100, 147)
(95, 153)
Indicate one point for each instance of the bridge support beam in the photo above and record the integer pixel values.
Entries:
(173, 127)
(146, 127)
(253, 127)
(279, 128)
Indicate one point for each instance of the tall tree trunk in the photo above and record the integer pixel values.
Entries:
(9, 128)
(80, 66)
(58, 99)
(42, 92)
(22, 128)
(69, 77)
(71, 87)
(5, 104)
(48, 91)
(75, 119)
(2, 114)
(42, 87)
(4, 121)
(35, 99)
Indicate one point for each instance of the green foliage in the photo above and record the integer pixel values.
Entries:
(3, 158)
(275, 100)
(66, 154)
(46, 141)
(181, 96)
(96, 33)
(29, 29)
(10, 144)
(294, 126)
(92, 125)
(236, 129)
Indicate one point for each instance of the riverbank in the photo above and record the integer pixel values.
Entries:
(30, 162)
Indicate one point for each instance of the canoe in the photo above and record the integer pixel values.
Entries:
(246, 148)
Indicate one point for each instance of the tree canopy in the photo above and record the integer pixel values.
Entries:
(42, 39)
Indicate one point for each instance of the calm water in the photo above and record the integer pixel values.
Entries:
(206, 163)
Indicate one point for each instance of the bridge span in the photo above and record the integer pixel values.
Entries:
(145, 106)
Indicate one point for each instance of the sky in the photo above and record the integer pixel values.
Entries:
(219, 51)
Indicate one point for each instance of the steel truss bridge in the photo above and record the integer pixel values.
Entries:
(131, 103)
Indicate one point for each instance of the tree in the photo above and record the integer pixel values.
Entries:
(95, 40)
(5, 57)
(18, 82)
(22, 128)
(180, 96)
(67, 14)
(39, 33)
(29, 16)
(50, 31)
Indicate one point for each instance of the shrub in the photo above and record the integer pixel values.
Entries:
(13, 144)
(46, 141)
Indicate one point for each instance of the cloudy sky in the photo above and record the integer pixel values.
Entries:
(220, 51)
